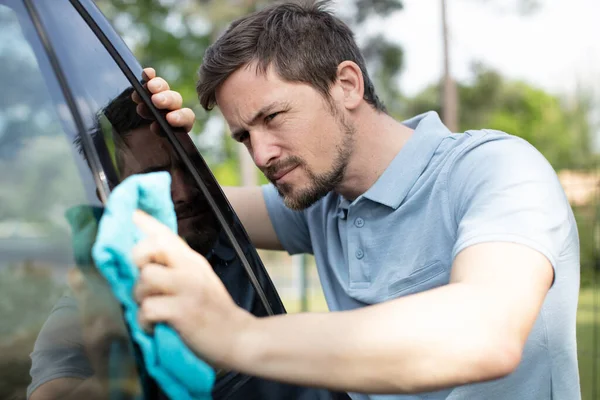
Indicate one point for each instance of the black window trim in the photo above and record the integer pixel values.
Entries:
(114, 53)
(88, 147)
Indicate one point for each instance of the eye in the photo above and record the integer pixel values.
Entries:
(242, 137)
(270, 117)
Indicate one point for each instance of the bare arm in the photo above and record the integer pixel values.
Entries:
(249, 205)
(70, 388)
(471, 330)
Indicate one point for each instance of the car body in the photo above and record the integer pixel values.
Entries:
(69, 134)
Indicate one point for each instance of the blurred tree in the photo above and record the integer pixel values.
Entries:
(559, 128)
(448, 91)
(172, 37)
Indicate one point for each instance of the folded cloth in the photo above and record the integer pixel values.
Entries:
(176, 369)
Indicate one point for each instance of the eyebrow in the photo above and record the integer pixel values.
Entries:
(263, 112)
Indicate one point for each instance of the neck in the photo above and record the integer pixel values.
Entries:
(377, 141)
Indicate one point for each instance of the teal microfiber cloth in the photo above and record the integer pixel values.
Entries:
(176, 369)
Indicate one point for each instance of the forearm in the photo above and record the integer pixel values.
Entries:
(71, 388)
(250, 207)
(440, 338)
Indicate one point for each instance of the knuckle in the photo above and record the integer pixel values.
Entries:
(147, 310)
(162, 84)
(140, 253)
(138, 293)
(146, 275)
(176, 316)
(161, 247)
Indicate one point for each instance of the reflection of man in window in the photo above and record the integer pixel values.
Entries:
(71, 354)
(138, 150)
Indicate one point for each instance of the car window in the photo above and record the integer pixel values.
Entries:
(102, 78)
(52, 304)
(128, 145)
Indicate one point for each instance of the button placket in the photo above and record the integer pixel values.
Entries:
(359, 277)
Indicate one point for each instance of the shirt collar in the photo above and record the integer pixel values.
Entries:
(400, 176)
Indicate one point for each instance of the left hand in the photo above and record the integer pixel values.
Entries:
(165, 99)
(178, 286)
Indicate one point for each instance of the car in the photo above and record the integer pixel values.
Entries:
(69, 134)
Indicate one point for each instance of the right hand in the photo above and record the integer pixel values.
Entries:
(164, 98)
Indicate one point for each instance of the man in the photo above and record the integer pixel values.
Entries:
(450, 262)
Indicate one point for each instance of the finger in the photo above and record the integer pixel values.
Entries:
(150, 225)
(156, 129)
(157, 309)
(168, 100)
(143, 111)
(157, 85)
(154, 279)
(136, 97)
(148, 252)
(161, 246)
(183, 118)
(148, 74)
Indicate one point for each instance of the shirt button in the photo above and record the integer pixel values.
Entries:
(360, 254)
(359, 222)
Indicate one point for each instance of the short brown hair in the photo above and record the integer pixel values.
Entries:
(303, 41)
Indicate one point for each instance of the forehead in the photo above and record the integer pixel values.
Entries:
(248, 90)
(143, 149)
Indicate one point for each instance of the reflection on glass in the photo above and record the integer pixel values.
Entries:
(126, 145)
(133, 147)
(137, 149)
(83, 349)
(62, 335)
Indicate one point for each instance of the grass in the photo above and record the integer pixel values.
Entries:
(588, 343)
(588, 335)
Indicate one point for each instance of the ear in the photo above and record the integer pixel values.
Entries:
(350, 80)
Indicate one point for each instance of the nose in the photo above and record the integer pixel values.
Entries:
(263, 149)
(182, 191)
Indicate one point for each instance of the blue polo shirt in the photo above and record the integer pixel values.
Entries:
(442, 193)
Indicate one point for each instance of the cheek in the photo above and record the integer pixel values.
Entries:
(311, 138)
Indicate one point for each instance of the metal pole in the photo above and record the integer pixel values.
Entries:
(449, 92)
(303, 283)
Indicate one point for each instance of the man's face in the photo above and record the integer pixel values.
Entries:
(298, 139)
(147, 152)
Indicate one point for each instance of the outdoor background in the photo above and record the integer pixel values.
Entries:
(530, 68)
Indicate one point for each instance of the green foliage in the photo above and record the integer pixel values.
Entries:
(172, 36)
(380, 8)
(587, 219)
(558, 129)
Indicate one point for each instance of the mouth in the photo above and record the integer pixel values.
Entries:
(190, 216)
(280, 174)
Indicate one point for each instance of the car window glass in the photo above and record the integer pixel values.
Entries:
(51, 301)
(128, 144)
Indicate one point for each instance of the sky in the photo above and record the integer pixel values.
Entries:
(554, 48)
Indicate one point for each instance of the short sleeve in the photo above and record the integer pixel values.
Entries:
(290, 226)
(58, 351)
(501, 188)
